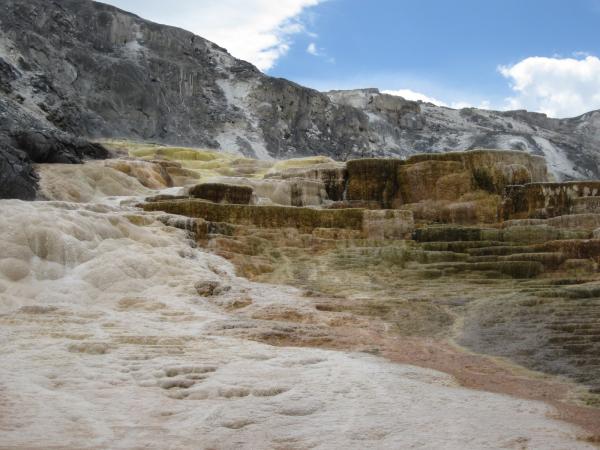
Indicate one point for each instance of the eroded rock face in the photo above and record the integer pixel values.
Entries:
(286, 192)
(130, 314)
(388, 224)
(332, 175)
(374, 180)
(456, 187)
(385, 223)
(99, 71)
(49, 147)
(513, 286)
(524, 289)
(544, 200)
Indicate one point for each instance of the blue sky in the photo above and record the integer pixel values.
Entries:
(447, 49)
(536, 54)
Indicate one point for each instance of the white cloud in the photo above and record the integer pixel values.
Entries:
(559, 87)
(484, 104)
(312, 49)
(461, 105)
(409, 94)
(258, 31)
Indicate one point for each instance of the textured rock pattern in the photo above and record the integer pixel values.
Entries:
(448, 177)
(17, 178)
(389, 222)
(543, 200)
(332, 175)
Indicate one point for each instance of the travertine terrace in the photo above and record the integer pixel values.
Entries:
(186, 298)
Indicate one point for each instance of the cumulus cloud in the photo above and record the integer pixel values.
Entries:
(259, 31)
(559, 87)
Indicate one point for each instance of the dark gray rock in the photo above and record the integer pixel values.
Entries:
(8, 74)
(300, 121)
(26, 137)
(50, 147)
(17, 177)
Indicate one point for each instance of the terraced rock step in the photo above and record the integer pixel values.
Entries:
(524, 234)
(460, 246)
(262, 216)
(557, 334)
(503, 248)
(222, 193)
(373, 224)
(515, 269)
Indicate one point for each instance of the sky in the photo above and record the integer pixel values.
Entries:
(540, 55)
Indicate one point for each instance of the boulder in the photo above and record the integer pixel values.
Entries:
(210, 288)
(24, 139)
(50, 147)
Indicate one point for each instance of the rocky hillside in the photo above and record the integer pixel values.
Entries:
(80, 68)
(571, 147)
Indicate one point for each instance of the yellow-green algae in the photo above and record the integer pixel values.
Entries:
(209, 164)
(205, 163)
(295, 163)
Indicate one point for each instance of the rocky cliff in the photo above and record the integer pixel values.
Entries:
(81, 68)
